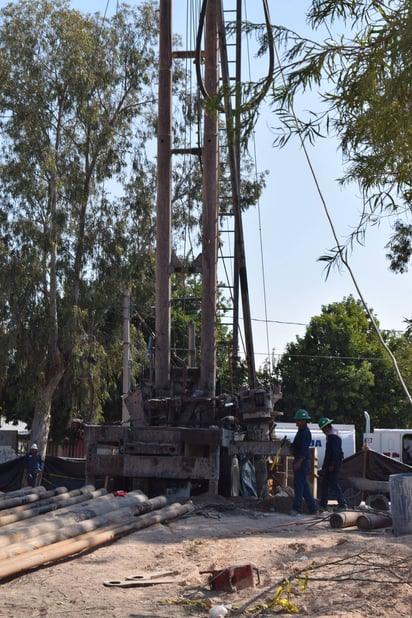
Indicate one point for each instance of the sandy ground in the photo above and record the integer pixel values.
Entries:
(332, 572)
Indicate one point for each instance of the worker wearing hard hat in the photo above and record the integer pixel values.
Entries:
(301, 464)
(33, 464)
(332, 464)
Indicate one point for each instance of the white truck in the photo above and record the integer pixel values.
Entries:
(394, 443)
(346, 432)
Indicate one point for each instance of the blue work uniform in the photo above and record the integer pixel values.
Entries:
(332, 465)
(300, 448)
(33, 464)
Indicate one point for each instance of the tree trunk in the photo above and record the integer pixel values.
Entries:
(42, 409)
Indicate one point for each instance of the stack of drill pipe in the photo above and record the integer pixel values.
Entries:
(59, 502)
(54, 495)
(31, 494)
(106, 505)
(43, 496)
(29, 500)
(105, 533)
(110, 518)
(17, 493)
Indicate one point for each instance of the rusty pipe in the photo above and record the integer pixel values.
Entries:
(24, 498)
(53, 495)
(99, 506)
(67, 532)
(371, 521)
(344, 519)
(18, 493)
(66, 548)
(19, 504)
(53, 504)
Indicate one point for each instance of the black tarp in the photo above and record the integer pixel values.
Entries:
(371, 465)
(58, 472)
(11, 474)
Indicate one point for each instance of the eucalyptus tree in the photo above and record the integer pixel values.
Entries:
(76, 100)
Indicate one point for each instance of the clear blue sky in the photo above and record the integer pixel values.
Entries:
(290, 225)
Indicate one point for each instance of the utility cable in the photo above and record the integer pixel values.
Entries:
(262, 92)
(340, 250)
(245, 106)
(262, 262)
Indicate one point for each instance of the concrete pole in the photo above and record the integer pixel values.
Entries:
(163, 208)
(210, 210)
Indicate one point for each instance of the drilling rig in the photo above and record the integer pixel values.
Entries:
(180, 432)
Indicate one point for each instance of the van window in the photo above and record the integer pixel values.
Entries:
(407, 449)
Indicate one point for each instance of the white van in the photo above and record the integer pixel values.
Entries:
(395, 443)
(346, 432)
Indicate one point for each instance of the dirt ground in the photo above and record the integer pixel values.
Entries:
(344, 572)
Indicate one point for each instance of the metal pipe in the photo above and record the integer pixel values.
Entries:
(61, 501)
(67, 532)
(20, 492)
(209, 213)
(371, 521)
(344, 519)
(34, 496)
(51, 494)
(63, 549)
(46, 524)
(55, 498)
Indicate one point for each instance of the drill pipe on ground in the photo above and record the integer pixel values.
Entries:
(112, 518)
(15, 503)
(371, 521)
(24, 498)
(42, 524)
(17, 493)
(68, 507)
(76, 496)
(63, 549)
(59, 495)
(344, 519)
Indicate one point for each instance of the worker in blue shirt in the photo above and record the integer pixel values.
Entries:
(301, 464)
(331, 467)
(33, 464)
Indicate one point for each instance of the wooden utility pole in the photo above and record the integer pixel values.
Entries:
(126, 354)
(163, 206)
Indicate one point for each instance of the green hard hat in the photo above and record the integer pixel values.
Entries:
(301, 415)
(324, 422)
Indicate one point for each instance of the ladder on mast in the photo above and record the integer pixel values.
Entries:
(215, 45)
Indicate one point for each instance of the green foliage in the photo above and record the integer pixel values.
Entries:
(363, 78)
(339, 369)
(76, 108)
(186, 312)
(77, 112)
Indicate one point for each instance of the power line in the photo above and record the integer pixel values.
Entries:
(265, 320)
(325, 357)
(340, 250)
